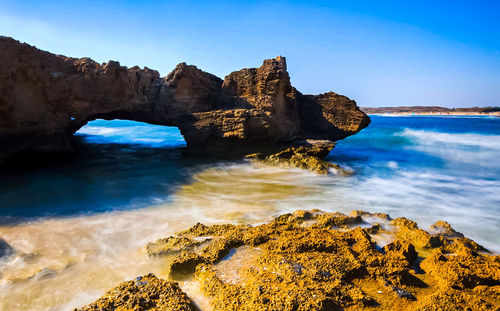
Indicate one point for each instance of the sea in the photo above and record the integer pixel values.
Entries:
(74, 225)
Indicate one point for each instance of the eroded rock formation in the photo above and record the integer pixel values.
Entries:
(46, 98)
(312, 260)
(144, 293)
(308, 155)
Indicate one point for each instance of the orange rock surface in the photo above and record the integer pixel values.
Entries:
(311, 260)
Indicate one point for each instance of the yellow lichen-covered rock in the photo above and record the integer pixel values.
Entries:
(203, 230)
(454, 300)
(401, 248)
(310, 267)
(170, 245)
(443, 228)
(463, 269)
(409, 231)
(311, 260)
(308, 155)
(185, 263)
(144, 293)
(381, 216)
(337, 220)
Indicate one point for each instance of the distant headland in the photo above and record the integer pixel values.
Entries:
(433, 110)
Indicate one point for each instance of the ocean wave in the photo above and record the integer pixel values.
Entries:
(100, 130)
(478, 149)
(423, 196)
(466, 139)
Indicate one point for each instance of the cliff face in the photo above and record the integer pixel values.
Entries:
(46, 98)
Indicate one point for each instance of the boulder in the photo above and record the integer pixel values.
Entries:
(144, 293)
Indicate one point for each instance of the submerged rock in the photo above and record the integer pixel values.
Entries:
(5, 249)
(144, 293)
(311, 260)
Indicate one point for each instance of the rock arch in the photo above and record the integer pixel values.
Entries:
(45, 98)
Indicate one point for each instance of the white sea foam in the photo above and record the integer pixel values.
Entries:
(392, 164)
(463, 139)
(101, 130)
(477, 149)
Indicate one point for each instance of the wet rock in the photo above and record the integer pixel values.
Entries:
(254, 239)
(144, 293)
(464, 269)
(201, 230)
(308, 156)
(317, 267)
(221, 246)
(376, 228)
(304, 215)
(337, 220)
(170, 245)
(5, 249)
(403, 293)
(409, 231)
(297, 268)
(333, 264)
(185, 263)
(442, 228)
(398, 291)
(381, 216)
(454, 300)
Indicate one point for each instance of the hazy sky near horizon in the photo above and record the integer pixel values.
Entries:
(379, 53)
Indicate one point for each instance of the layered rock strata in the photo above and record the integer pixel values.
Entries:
(311, 260)
(45, 98)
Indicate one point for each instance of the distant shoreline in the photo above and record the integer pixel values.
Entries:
(432, 111)
(460, 114)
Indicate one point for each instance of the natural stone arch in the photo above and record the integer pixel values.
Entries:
(46, 98)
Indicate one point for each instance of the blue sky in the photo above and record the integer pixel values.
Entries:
(379, 53)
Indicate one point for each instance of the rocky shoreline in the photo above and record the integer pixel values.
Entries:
(312, 260)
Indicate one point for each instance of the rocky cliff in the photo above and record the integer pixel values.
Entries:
(45, 98)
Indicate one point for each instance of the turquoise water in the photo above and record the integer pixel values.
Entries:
(119, 165)
(86, 216)
(426, 168)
